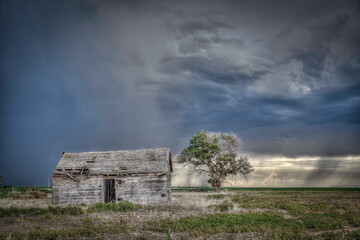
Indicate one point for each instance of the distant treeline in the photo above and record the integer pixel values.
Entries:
(201, 189)
(49, 189)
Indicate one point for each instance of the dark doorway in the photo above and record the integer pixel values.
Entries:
(109, 190)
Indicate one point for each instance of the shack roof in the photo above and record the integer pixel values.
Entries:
(152, 160)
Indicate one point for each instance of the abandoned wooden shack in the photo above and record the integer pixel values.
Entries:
(140, 176)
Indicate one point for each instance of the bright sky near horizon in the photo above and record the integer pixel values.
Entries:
(91, 75)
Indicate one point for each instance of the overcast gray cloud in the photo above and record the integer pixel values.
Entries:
(104, 75)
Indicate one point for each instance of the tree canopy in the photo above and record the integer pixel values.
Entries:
(217, 155)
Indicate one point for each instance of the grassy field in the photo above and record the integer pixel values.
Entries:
(241, 213)
(322, 189)
(9, 192)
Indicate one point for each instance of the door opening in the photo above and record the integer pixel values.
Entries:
(109, 190)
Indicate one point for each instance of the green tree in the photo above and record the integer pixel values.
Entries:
(217, 155)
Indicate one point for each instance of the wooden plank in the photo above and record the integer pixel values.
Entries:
(144, 174)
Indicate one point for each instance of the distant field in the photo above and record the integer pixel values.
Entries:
(268, 189)
(10, 191)
(235, 213)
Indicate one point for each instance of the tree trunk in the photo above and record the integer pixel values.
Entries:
(217, 186)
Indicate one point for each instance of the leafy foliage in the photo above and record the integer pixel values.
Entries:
(216, 154)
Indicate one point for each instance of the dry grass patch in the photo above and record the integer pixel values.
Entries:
(209, 215)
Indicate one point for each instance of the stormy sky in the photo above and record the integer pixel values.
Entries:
(97, 75)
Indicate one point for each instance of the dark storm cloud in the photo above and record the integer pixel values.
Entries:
(216, 70)
(195, 44)
(313, 61)
(236, 41)
(314, 56)
(61, 90)
(194, 22)
(103, 75)
(209, 25)
(350, 72)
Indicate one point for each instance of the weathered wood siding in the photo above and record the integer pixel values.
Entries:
(147, 189)
(67, 191)
(141, 176)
